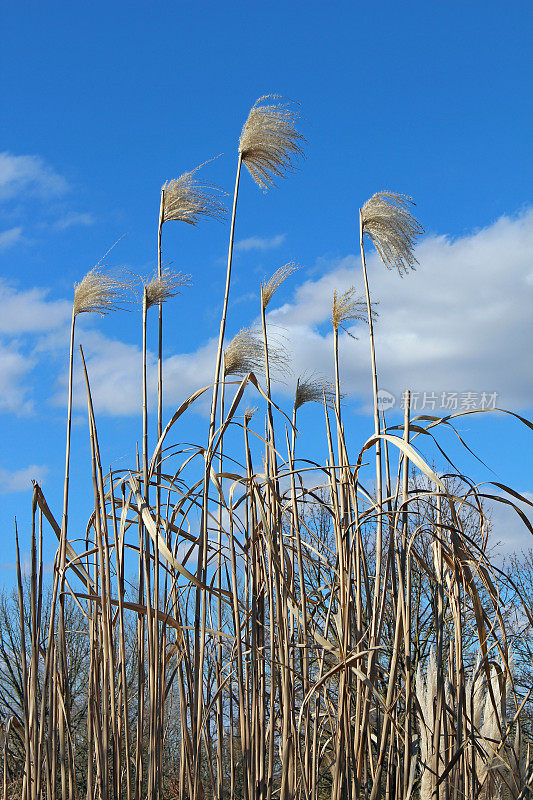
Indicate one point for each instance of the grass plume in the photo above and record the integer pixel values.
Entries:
(270, 145)
(187, 199)
(387, 220)
(159, 289)
(314, 389)
(269, 289)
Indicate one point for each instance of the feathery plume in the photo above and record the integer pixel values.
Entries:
(314, 389)
(99, 292)
(186, 199)
(426, 692)
(494, 722)
(269, 143)
(393, 229)
(246, 353)
(348, 308)
(161, 288)
(269, 288)
(249, 412)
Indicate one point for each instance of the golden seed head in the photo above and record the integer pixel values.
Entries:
(269, 288)
(245, 353)
(99, 292)
(269, 143)
(386, 218)
(161, 288)
(348, 307)
(314, 389)
(186, 199)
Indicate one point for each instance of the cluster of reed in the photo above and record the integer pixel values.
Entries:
(274, 638)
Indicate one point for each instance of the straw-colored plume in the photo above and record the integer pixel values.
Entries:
(249, 413)
(161, 288)
(269, 143)
(269, 289)
(386, 218)
(314, 389)
(426, 692)
(186, 199)
(99, 292)
(348, 307)
(245, 353)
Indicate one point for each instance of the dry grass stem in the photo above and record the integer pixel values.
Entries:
(270, 144)
(386, 218)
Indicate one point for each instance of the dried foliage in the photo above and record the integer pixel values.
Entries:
(270, 144)
(187, 199)
(386, 218)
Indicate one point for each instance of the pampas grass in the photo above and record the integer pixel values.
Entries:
(387, 220)
(348, 307)
(159, 289)
(99, 292)
(313, 389)
(244, 353)
(270, 145)
(187, 199)
(295, 629)
(270, 287)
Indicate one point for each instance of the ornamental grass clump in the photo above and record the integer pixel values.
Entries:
(238, 620)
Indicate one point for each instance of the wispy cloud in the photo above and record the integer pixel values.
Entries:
(29, 175)
(73, 219)
(10, 237)
(20, 480)
(260, 243)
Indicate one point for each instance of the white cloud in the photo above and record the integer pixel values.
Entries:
(508, 532)
(10, 237)
(260, 243)
(22, 175)
(74, 218)
(14, 370)
(461, 322)
(30, 311)
(114, 370)
(20, 479)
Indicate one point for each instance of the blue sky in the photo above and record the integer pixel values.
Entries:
(102, 103)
